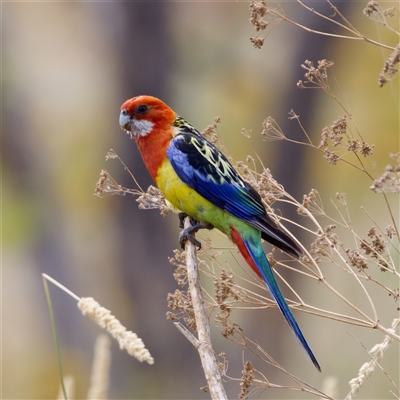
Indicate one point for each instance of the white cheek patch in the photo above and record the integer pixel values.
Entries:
(141, 128)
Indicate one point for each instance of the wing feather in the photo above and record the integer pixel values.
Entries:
(205, 169)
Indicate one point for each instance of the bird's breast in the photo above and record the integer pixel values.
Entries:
(183, 198)
(179, 194)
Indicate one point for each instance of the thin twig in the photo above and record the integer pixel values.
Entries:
(53, 326)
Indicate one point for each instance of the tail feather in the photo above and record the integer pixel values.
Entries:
(254, 255)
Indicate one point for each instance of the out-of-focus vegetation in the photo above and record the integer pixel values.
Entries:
(66, 69)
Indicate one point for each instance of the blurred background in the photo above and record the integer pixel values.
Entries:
(66, 69)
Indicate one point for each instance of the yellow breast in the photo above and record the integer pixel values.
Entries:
(182, 198)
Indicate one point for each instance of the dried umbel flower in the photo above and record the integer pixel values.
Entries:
(210, 132)
(182, 302)
(389, 67)
(356, 259)
(248, 377)
(222, 365)
(334, 133)
(257, 41)
(317, 76)
(258, 10)
(363, 148)
(225, 288)
(390, 231)
(335, 136)
(107, 185)
(374, 248)
(366, 149)
(341, 197)
(180, 273)
(311, 202)
(389, 182)
(271, 130)
(374, 245)
(268, 188)
(375, 11)
(323, 245)
(153, 199)
(331, 156)
(339, 126)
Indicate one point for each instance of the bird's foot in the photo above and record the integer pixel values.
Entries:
(187, 234)
(182, 217)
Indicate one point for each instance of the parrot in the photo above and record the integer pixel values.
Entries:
(197, 180)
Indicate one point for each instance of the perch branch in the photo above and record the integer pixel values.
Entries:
(203, 344)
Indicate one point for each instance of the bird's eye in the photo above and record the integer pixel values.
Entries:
(141, 109)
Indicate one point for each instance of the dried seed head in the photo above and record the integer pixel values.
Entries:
(107, 185)
(356, 259)
(248, 377)
(316, 76)
(390, 69)
(127, 340)
(153, 199)
(258, 10)
(331, 156)
(182, 302)
(311, 202)
(257, 41)
(389, 182)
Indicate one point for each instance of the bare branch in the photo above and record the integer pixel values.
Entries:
(206, 352)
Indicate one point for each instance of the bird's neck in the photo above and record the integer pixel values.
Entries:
(153, 149)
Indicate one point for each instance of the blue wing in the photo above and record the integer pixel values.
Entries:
(205, 169)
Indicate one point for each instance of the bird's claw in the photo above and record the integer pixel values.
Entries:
(182, 217)
(186, 234)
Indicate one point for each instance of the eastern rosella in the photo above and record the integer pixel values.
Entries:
(198, 180)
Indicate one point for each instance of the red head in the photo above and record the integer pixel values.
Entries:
(150, 122)
(143, 115)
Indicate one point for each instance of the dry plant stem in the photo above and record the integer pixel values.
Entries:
(99, 380)
(53, 326)
(372, 322)
(383, 233)
(69, 384)
(204, 346)
(350, 27)
(89, 307)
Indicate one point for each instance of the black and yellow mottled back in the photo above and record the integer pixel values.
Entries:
(205, 169)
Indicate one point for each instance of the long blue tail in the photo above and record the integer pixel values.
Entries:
(262, 268)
